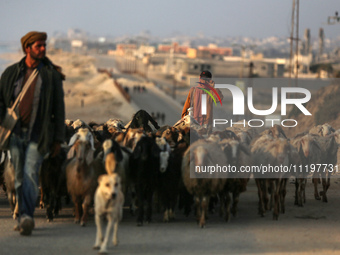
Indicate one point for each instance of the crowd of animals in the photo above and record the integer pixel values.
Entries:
(153, 165)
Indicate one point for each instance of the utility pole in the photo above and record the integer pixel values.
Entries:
(294, 25)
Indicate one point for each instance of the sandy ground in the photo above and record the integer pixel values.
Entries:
(89, 95)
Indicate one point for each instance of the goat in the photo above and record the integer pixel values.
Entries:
(50, 180)
(143, 120)
(80, 175)
(186, 122)
(144, 174)
(132, 136)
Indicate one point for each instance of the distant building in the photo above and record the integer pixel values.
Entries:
(126, 49)
(209, 52)
(173, 47)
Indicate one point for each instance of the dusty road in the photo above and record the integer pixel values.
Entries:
(315, 228)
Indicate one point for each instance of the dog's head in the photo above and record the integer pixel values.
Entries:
(109, 185)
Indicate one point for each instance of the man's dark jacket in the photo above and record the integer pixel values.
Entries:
(49, 123)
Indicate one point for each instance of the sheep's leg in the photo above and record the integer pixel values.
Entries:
(50, 206)
(276, 194)
(236, 198)
(299, 189)
(272, 194)
(324, 190)
(149, 206)
(41, 203)
(304, 190)
(57, 207)
(283, 192)
(259, 192)
(204, 210)
(227, 206)
(85, 206)
(99, 235)
(166, 215)
(133, 204)
(140, 200)
(316, 181)
(11, 200)
(198, 209)
(77, 205)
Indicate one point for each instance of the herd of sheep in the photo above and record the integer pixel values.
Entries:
(156, 166)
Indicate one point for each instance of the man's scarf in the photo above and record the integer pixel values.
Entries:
(196, 98)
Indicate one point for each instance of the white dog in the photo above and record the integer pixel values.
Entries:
(108, 203)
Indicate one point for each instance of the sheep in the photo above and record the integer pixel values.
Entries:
(238, 154)
(245, 135)
(329, 150)
(276, 131)
(328, 156)
(201, 186)
(80, 175)
(309, 153)
(322, 130)
(273, 152)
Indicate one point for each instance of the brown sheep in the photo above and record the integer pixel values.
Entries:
(203, 185)
(275, 152)
(238, 154)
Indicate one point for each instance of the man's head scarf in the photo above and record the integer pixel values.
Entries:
(32, 37)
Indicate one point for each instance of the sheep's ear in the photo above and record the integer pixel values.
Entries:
(71, 153)
(73, 139)
(89, 157)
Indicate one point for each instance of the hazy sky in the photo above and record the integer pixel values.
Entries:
(252, 18)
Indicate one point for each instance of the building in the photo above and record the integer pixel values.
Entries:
(126, 49)
(174, 47)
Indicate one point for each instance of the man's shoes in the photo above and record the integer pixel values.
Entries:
(26, 225)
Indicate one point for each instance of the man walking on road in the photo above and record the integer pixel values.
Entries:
(40, 128)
